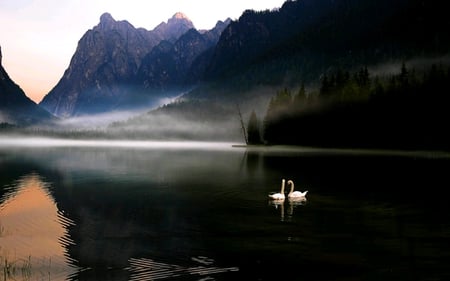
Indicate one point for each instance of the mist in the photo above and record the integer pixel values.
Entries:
(4, 118)
(419, 64)
(102, 120)
(12, 141)
(165, 123)
(95, 121)
(164, 126)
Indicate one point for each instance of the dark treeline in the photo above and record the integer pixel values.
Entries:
(407, 110)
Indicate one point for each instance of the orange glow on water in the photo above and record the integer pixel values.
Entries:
(32, 228)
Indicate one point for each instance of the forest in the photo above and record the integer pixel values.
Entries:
(407, 110)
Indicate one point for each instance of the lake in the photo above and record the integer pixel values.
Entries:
(113, 210)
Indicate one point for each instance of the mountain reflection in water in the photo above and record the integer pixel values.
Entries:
(34, 232)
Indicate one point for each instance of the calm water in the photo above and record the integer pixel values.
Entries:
(197, 211)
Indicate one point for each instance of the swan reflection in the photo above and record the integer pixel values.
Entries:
(292, 203)
(297, 201)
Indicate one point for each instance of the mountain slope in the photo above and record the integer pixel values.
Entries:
(15, 107)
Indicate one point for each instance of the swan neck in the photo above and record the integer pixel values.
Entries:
(292, 186)
(283, 182)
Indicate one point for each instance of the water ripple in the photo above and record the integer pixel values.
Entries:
(143, 269)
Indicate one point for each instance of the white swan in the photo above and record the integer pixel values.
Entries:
(278, 195)
(295, 194)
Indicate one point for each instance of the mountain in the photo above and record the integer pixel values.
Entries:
(101, 74)
(15, 107)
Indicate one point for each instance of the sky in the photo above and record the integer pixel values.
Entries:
(39, 37)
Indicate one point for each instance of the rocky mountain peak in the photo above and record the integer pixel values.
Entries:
(106, 21)
(179, 15)
(222, 24)
(176, 26)
(106, 17)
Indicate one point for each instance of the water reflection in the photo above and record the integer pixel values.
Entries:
(292, 203)
(147, 269)
(34, 237)
(146, 214)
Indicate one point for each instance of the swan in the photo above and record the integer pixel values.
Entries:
(278, 195)
(295, 194)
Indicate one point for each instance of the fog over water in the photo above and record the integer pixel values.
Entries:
(18, 142)
(14, 141)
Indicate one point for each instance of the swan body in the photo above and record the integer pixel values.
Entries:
(296, 194)
(278, 195)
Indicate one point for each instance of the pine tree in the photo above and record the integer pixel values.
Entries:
(326, 86)
(404, 76)
(300, 96)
